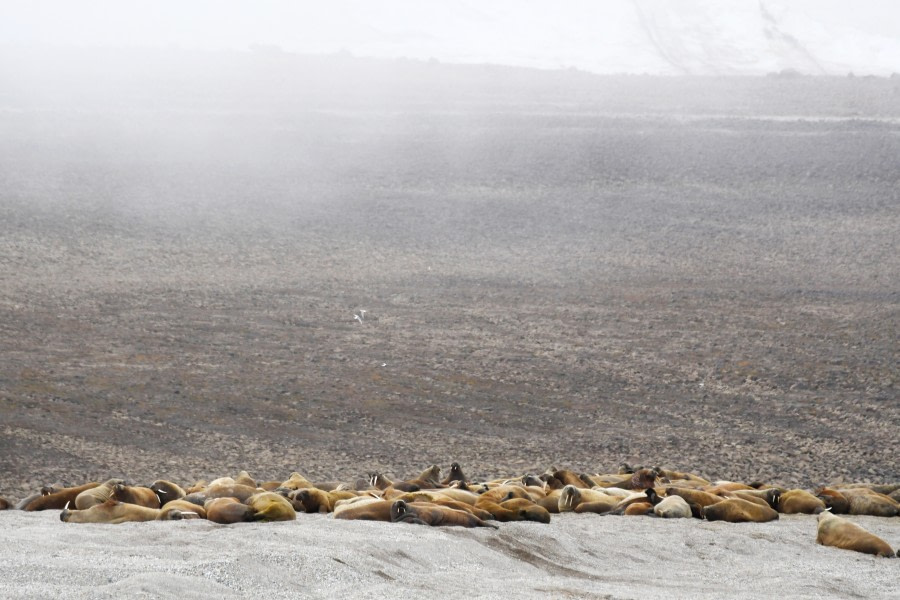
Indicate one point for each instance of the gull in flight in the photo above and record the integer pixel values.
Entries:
(360, 315)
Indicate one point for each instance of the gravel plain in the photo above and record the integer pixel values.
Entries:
(558, 269)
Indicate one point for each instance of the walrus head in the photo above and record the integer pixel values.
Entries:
(696, 510)
(569, 497)
(772, 497)
(652, 496)
(533, 480)
(64, 515)
(399, 510)
(456, 474)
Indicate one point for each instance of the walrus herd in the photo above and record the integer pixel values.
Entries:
(455, 500)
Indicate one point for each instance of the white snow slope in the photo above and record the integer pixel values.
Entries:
(698, 37)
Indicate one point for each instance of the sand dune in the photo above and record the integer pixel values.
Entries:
(317, 556)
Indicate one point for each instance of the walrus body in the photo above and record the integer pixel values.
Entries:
(114, 512)
(858, 501)
(571, 496)
(227, 510)
(57, 500)
(315, 500)
(692, 496)
(672, 507)
(840, 533)
(187, 509)
(738, 510)
(455, 474)
(794, 502)
(528, 510)
(269, 506)
(97, 495)
(364, 509)
(142, 496)
(424, 513)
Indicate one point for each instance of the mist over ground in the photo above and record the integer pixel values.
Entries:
(559, 269)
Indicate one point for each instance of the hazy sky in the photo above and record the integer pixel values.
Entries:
(589, 34)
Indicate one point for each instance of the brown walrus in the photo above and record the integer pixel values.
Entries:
(528, 510)
(840, 533)
(364, 509)
(424, 513)
(97, 495)
(142, 496)
(797, 501)
(59, 498)
(243, 478)
(571, 496)
(455, 474)
(698, 497)
(227, 510)
(858, 501)
(269, 506)
(115, 512)
(187, 509)
(314, 500)
(167, 491)
(738, 510)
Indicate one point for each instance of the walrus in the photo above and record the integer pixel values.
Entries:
(314, 500)
(693, 496)
(834, 501)
(528, 511)
(228, 510)
(364, 509)
(21, 504)
(380, 482)
(682, 476)
(244, 478)
(840, 533)
(640, 508)
(640, 480)
(142, 496)
(269, 506)
(187, 509)
(167, 491)
(234, 490)
(296, 481)
(460, 495)
(430, 478)
(645, 501)
(455, 474)
(672, 507)
(770, 498)
(115, 512)
(568, 477)
(442, 500)
(97, 495)
(738, 510)
(4, 503)
(797, 501)
(423, 513)
(502, 493)
(59, 498)
(571, 496)
(858, 501)
(727, 486)
(865, 501)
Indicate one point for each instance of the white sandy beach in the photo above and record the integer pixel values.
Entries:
(576, 556)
